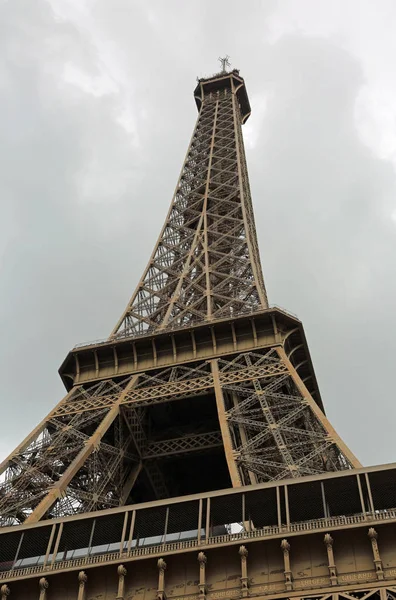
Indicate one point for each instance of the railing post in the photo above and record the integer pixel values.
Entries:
(131, 531)
(369, 492)
(278, 507)
(51, 539)
(207, 532)
(286, 559)
(58, 538)
(43, 585)
(123, 534)
(166, 524)
(161, 564)
(328, 540)
(5, 591)
(325, 511)
(373, 535)
(121, 571)
(91, 537)
(18, 549)
(361, 495)
(202, 575)
(287, 507)
(82, 580)
(243, 553)
(199, 520)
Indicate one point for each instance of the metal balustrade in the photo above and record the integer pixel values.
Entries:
(196, 522)
(128, 336)
(162, 549)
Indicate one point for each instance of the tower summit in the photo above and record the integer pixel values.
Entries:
(196, 424)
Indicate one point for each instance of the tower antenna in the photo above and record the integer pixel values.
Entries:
(224, 63)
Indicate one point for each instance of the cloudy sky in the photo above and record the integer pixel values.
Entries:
(96, 111)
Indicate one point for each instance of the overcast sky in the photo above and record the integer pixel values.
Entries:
(96, 111)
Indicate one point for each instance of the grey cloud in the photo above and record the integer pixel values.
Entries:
(83, 199)
(327, 242)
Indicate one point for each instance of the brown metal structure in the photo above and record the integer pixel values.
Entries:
(206, 263)
(201, 386)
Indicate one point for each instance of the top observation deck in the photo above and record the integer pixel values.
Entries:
(232, 81)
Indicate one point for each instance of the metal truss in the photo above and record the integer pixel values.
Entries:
(185, 444)
(63, 448)
(76, 462)
(134, 418)
(275, 429)
(206, 262)
(385, 592)
(87, 454)
(156, 390)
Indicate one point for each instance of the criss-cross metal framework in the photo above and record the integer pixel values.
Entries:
(93, 447)
(206, 263)
(277, 431)
(88, 453)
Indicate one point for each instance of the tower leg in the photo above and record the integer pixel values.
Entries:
(225, 432)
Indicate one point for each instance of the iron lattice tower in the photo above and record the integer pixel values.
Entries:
(201, 384)
(206, 263)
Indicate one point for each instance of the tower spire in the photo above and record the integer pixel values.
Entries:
(205, 264)
(224, 63)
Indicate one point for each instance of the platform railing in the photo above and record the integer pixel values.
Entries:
(124, 337)
(168, 548)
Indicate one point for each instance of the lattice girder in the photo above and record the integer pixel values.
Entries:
(275, 430)
(206, 263)
(103, 439)
(98, 435)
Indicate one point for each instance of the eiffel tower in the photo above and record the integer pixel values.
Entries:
(201, 407)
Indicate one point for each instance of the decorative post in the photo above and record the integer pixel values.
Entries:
(373, 535)
(43, 585)
(5, 591)
(161, 564)
(202, 575)
(243, 553)
(121, 571)
(286, 558)
(82, 580)
(328, 540)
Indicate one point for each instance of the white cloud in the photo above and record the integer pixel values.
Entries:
(96, 85)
